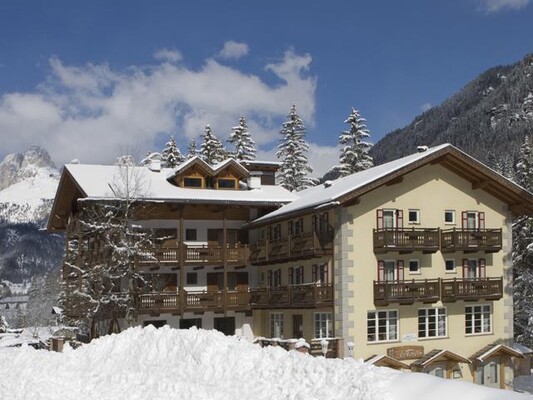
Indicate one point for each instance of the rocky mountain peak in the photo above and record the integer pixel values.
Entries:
(17, 167)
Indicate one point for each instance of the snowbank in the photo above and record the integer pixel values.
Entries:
(198, 364)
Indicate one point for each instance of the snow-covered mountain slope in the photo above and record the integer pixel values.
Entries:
(168, 363)
(28, 183)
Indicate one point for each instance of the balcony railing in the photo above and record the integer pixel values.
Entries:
(203, 254)
(406, 240)
(294, 296)
(305, 245)
(488, 240)
(471, 289)
(406, 292)
(194, 301)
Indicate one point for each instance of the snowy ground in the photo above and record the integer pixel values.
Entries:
(197, 364)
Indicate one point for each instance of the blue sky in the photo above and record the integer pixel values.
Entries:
(94, 79)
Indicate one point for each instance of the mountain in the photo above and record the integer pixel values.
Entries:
(487, 119)
(28, 182)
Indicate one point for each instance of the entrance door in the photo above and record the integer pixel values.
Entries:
(438, 370)
(297, 326)
(491, 373)
(226, 325)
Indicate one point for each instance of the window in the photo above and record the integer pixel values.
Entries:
(299, 275)
(323, 325)
(192, 182)
(320, 273)
(276, 325)
(190, 234)
(226, 183)
(478, 319)
(192, 278)
(414, 267)
(299, 226)
(274, 278)
(449, 217)
(414, 216)
(431, 322)
(276, 232)
(382, 326)
(449, 266)
(290, 228)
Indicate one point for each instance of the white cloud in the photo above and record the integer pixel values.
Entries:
(234, 50)
(426, 106)
(492, 6)
(91, 111)
(169, 55)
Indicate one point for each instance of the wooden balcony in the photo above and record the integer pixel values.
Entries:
(406, 292)
(193, 255)
(471, 289)
(294, 296)
(306, 245)
(471, 240)
(406, 240)
(193, 301)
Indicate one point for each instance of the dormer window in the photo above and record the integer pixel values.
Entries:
(192, 182)
(224, 183)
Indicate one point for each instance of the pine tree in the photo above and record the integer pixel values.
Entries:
(243, 142)
(211, 150)
(171, 156)
(4, 326)
(354, 155)
(291, 150)
(523, 255)
(191, 149)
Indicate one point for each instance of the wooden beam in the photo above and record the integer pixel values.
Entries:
(395, 181)
(480, 184)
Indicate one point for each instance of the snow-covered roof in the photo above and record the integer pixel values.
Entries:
(95, 182)
(331, 192)
(215, 169)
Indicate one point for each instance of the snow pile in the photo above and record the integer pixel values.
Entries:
(197, 364)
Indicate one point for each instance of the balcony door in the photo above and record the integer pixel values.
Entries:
(473, 220)
(389, 218)
(473, 269)
(390, 270)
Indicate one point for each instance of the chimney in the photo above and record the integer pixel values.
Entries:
(154, 165)
(254, 180)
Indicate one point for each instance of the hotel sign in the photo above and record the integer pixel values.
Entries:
(406, 352)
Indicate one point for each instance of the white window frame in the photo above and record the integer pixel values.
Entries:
(452, 212)
(482, 317)
(449, 271)
(417, 272)
(391, 324)
(393, 211)
(323, 325)
(440, 312)
(417, 212)
(276, 319)
(469, 215)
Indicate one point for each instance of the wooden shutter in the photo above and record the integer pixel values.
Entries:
(314, 226)
(399, 219)
(379, 218)
(291, 228)
(399, 266)
(325, 275)
(315, 273)
(465, 267)
(481, 220)
(269, 278)
(464, 219)
(269, 233)
(482, 269)
(381, 270)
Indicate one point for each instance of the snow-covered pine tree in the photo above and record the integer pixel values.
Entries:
(523, 255)
(211, 150)
(291, 150)
(354, 153)
(242, 140)
(191, 149)
(171, 156)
